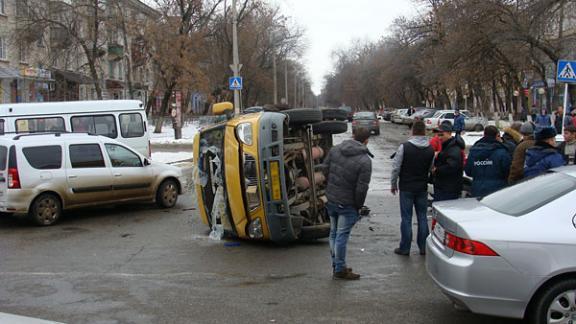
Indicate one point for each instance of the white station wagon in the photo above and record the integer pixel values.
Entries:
(44, 174)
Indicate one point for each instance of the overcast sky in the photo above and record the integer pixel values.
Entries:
(331, 24)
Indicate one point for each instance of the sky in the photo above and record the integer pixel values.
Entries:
(333, 24)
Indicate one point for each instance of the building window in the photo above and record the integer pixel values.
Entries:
(23, 53)
(111, 70)
(2, 12)
(3, 48)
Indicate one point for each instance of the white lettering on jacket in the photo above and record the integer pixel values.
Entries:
(483, 163)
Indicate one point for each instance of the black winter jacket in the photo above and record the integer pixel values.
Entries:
(349, 169)
(449, 166)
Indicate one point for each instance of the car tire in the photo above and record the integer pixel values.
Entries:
(334, 114)
(302, 116)
(45, 210)
(167, 194)
(556, 292)
(330, 127)
(377, 133)
(478, 128)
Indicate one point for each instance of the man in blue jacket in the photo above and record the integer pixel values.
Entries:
(488, 163)
(459, 122)
(543, 155)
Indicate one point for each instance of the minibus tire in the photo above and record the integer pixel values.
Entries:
(334, 114)
(302, 116)
(330, 127)
(46, 204)
(167, 187)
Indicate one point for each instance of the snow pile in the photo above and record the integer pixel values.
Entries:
(171, 157)
(167, 136)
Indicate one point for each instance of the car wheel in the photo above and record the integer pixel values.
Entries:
(556, 304)
(45, 210)
(478, 128)
(330, 127)
(167, 194)
(302, 116)
(377, 132)
(334, 114)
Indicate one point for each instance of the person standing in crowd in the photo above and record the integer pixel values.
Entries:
(543, 155)
(568, 147)
(410, 171)
(349, 169)
(523, 114)
(518, 158)
(411, 111)
(543, 120)
(534, 113)
(459, 122)
(436, 141)
(512, 136)
(488, 163)
(558, 116)
(448, 166)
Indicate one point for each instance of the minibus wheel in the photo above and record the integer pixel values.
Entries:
(330, 127)
(46, 209)
(302, 116)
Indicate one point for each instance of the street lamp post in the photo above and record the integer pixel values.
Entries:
(235, 66)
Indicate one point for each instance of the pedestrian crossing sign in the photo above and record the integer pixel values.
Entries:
(566, 72)
(235, 83)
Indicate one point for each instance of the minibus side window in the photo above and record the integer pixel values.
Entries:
(35, 125)
(104, 125)
(131, 125)
(1, 126)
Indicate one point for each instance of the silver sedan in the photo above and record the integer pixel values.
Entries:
(512, 253)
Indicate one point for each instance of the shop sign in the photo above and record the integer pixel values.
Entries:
(36, 73)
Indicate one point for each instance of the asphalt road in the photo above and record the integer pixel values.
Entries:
(139, 264)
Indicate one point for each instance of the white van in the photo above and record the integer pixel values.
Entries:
(123, 120)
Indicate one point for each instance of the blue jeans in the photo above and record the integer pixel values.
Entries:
(441, 195)
(342, 219)
(418, 201)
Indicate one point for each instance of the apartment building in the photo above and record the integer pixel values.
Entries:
(50, 50)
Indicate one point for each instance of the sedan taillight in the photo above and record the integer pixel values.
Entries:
(467, 246)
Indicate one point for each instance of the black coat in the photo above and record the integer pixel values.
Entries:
(449, 166)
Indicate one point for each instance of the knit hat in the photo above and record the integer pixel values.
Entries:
(445, 127)
(545, 133)
(527, 128)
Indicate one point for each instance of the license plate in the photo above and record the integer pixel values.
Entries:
(439, 232)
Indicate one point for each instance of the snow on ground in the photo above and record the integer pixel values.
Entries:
(171, 157)
(167, 136)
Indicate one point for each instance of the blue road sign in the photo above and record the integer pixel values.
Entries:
(566, 72)
(235, 83)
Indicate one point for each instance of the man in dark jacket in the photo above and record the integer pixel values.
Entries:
(412, 165)
(544, 155)
(568, 147)
(349, 170)
(519, 156)
(459, 122)
(448, 166)
(488, 163)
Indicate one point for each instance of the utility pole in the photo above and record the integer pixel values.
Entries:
(295, 88)
(286, 80)
(235, 66)
(275, 79)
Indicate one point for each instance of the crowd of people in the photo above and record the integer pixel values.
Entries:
(523, 150)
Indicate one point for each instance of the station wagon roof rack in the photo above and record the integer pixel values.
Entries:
(49, 133)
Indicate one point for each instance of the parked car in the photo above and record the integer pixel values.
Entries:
(447, 117)
(366, 119)
(386, 114)
(43, 174)
(398, 115)
(259, 175)
(421, 113)
(511, 253)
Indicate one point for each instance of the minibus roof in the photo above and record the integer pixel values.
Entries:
(68, 107)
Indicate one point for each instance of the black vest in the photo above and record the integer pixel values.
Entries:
(415, 168)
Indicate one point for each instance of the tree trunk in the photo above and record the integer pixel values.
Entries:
(163, 109)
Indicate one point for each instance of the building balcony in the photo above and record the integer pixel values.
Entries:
(115, 52)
